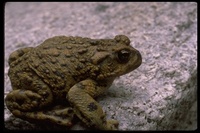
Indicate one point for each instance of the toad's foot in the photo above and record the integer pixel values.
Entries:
(62, 116)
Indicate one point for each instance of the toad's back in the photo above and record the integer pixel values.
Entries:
(59, 61)
(62, 60)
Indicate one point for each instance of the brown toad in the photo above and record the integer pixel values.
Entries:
(64, 70)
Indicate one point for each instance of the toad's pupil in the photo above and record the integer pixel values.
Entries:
(123, 56)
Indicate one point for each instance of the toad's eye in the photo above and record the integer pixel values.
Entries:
(123, 55)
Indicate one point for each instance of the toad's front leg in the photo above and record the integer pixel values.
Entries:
(86, 108)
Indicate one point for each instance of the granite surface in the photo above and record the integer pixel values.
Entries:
(160, 95)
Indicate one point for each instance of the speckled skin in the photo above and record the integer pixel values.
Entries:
(61, 77)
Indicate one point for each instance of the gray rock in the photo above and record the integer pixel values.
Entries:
(160, 95)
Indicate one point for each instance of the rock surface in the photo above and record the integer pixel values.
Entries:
(160, 95)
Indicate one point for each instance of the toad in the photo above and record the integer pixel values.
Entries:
(61, 78)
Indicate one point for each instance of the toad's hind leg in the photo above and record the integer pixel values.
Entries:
(33, 102)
